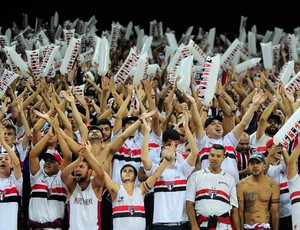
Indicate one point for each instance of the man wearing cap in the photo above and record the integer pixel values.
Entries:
(276, 162)
(11, 181)
(294, 186)
(258, 197)
(212, 133)
(48, 196)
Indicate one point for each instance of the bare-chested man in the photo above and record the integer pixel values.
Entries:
(258, 197)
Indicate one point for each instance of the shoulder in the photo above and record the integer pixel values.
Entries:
(271, 182)
(243, 182)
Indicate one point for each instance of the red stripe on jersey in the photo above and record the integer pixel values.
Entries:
(99, 215)
(284, 185)
(10, 191)
(153, 145)
(135, 152)
(39, 187)
(176, 182)
(206, 191)
(126, 208)
(58, 190)
(295, 195)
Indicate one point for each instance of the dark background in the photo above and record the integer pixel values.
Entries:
(224, 16)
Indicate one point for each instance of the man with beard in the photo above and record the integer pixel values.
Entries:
(105, 126)
(268, 125)
(84, 191)
(243, 153)
(258, 197)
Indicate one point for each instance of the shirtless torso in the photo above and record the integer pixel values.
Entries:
(258, 199)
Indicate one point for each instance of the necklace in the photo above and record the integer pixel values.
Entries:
(131, 207)
(52, 179)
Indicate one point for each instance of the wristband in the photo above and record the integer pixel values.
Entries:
(167, 159)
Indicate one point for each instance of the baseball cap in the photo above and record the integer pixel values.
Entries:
(128, 118)
(269, 143)
(54, 156)
(258, 156)
(210, 120)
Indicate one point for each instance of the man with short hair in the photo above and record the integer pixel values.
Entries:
(267, 127)
(128, 199)
(211, 199)
(10, 138)
(243, 153)
(48, 196)
(105, 126)
(172, 183)
(212, 133)
(11, 181)
(258, 197)
(84, 190)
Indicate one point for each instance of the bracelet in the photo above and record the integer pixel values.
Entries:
(167, 159)
(205, 110)
(275, 99)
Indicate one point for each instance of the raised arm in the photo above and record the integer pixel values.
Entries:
(193, 155)
(99, 177)
(82, 127)
(67, 155)
(195, 117)
(169, 152)
(144, 151)
(66, 174)
(16, 162)
(258, 99)
(292, 163)
(62, 116)
(34, 163)
(119, 115)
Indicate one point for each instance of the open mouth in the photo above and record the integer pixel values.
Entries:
(77, 176)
